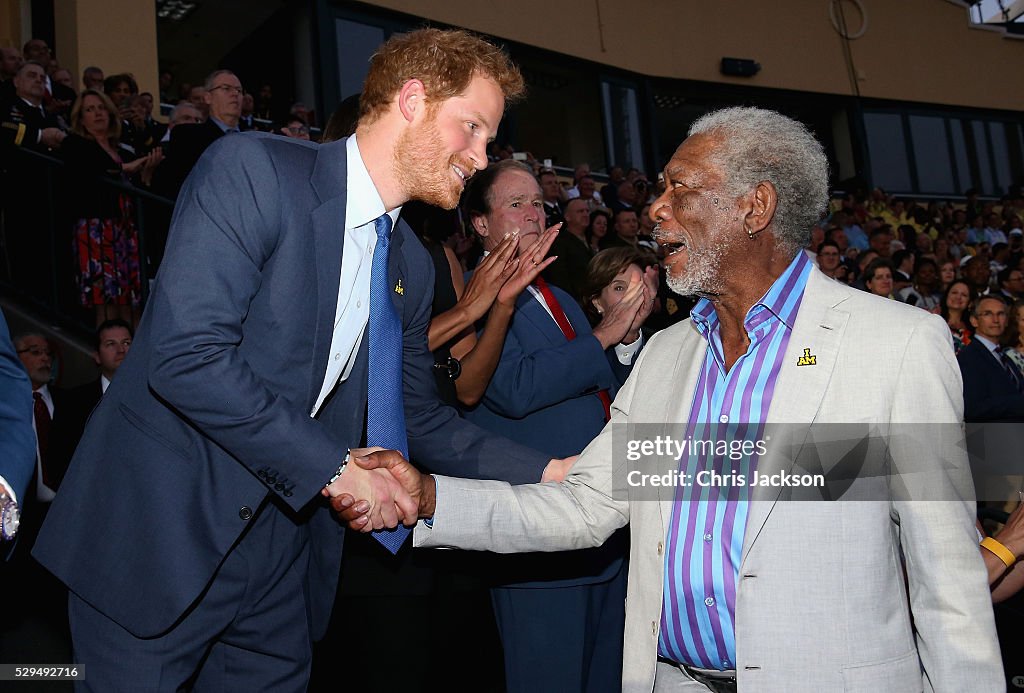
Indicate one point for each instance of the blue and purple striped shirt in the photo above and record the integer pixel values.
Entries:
(705, 537)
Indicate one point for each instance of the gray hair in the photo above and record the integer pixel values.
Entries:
(760, 145)
(208, 83)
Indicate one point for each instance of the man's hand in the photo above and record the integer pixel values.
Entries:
(531, 264)
(557, 470)
(616, 323)
(51, 137)
(417, 486)
(490, 275)
(380, 496)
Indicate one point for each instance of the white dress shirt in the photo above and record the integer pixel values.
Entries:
(363, 205)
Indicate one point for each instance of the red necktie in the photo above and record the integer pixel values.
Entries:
(570, 334)
(43, 421)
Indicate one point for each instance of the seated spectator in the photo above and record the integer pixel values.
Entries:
(184, 112)
(25, 122)
(878, 277)
(829, 258)
(597, 230)
(993, 385)
(105, 241)
(92, 78)
(609, 275)
(572, 249)
(586, 190)
(1011, 284)
(294, 128)
(111, 342)
(947, 274)
(954, 310)
(342, 122)
(222, 94)
(197, 97)
(10, 62)
(924, 292)
(1013, 338)
(976, 272)
(1005, 574)
(903, 269)
(246, 120)
(880, 240)
(554, 197)
(63, 77)
(626, 227)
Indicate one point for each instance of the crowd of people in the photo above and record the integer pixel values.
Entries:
(539, 330)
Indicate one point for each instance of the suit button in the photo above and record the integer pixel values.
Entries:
(661, 547)
(245, 512)
(654, 627)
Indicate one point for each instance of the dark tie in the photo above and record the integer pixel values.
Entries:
(43, 421)
(570, 334)
(1010, 367)
(385, 417)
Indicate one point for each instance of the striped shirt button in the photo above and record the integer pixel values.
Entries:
(723, 418)
(708, 537)
(710, 601)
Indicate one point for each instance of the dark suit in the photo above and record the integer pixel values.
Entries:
(569, 271)
(17, 440)
(989, 393)
(560, 615)
(205, 437)
(187, 144)
(23, 122)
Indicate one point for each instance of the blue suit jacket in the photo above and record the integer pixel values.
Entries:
(17, 437)
(544, 394)
(989, 394)
(210, 412)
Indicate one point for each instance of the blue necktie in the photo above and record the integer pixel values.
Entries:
(385, 417)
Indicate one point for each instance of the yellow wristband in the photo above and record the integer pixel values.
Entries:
(1003, 553)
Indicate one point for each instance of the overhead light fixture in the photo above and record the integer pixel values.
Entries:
(740, 67)
(175, 10)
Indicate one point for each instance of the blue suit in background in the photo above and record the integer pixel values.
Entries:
(561, 615)
(989, 391)
(191, 509)
(17, 437)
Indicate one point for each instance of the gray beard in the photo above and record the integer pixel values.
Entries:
(702, 275)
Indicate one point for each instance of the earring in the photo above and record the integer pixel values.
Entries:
(750, 234)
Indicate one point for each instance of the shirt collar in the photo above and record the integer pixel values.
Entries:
(782, 299)
(363, 203)
(104, 383)
(989, 344)
(224, 127)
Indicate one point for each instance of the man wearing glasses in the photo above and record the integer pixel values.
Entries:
(223, 96)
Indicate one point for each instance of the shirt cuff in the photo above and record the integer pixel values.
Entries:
(429, 521)
(10, 491)
(626, 352)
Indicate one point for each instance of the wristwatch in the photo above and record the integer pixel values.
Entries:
(10, 516)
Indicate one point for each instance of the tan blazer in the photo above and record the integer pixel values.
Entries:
(821, 603)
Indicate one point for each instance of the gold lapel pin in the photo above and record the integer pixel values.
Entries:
(807, 359)
(399, 289)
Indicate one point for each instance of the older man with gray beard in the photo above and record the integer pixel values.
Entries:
(737, 580)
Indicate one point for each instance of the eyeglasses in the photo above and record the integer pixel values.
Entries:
(229, 89)
(992, 314)
(36, 351)
(300, 130)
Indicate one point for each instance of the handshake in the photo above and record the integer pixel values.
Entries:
(379, 489)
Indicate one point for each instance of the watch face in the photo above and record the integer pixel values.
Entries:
(10, 518)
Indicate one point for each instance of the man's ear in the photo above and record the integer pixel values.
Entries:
(762, 209)
(479, 222)
(96, 357)
(412, 99)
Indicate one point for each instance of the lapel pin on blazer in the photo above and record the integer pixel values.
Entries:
(808, 359)
(399, 289)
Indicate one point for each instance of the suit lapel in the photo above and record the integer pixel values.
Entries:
(529, 307)
(328, 220)
(799, 389)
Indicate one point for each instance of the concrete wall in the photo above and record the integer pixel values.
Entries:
(912, 50)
